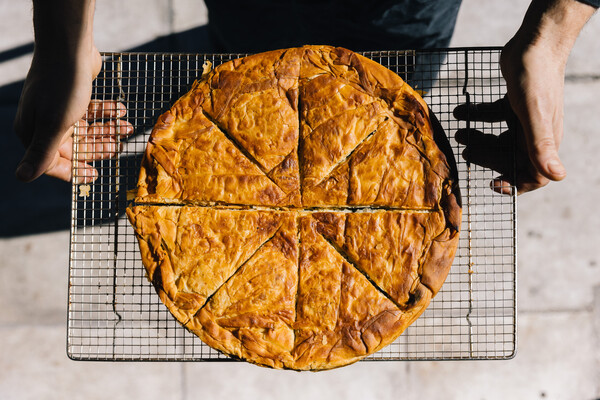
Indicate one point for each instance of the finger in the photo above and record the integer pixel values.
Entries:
(543, 152)
(112, 128)
(82, 126)
(101, 140)
(88, 150)
(530, 186)
(485, 112)
(524, 181)
(68, 137)
(65, 150)
(542, 131)
(62, 169)
(84, 173)
(105, 109)
(502, 185)
(92, 148)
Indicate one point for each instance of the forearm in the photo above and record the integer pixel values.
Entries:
(63, 27)
(554, 24)
(58, 86)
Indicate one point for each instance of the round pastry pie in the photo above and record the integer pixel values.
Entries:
(294, 210)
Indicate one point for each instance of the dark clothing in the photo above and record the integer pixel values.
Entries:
(593, 3)
(259, 25)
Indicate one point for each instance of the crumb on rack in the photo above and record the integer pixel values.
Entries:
(84, 190)
(206, 67)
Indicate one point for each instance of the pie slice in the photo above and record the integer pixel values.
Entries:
(342, 315)
(410, 182)
(189, 252)
(319, 284)
(336, 117)
(389, 247)
(190, 160)
(255, 101)
(252, 314)
(383, 134)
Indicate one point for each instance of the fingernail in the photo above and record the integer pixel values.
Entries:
(24, 171)
(86, 175)
(556, 168)
(121, 109)
(501, 186)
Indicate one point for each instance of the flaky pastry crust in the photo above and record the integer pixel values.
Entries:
(294, 210)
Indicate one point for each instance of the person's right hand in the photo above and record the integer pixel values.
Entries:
(56, 95)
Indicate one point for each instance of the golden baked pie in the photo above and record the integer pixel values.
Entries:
(294, 210)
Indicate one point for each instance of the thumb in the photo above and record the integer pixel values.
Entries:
(540, 134)
(543, 153)
(39, 156)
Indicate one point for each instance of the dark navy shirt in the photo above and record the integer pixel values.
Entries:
(593, 3)
(259, 25)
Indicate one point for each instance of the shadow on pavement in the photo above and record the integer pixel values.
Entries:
(45, 204)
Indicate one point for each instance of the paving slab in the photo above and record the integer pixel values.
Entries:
(34, 365)
(41, 206)
(188, 14)
(14, 70)
(121, 25)
(17, 25)
(487, 22)
(363, 380)
(585, 57)
(16, 40)
(596, 339)
(558, 261)
(33, 288)
(553, 362)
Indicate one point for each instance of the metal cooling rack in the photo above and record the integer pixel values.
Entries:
(114, 313)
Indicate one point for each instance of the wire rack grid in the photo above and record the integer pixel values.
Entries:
(113, 311)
